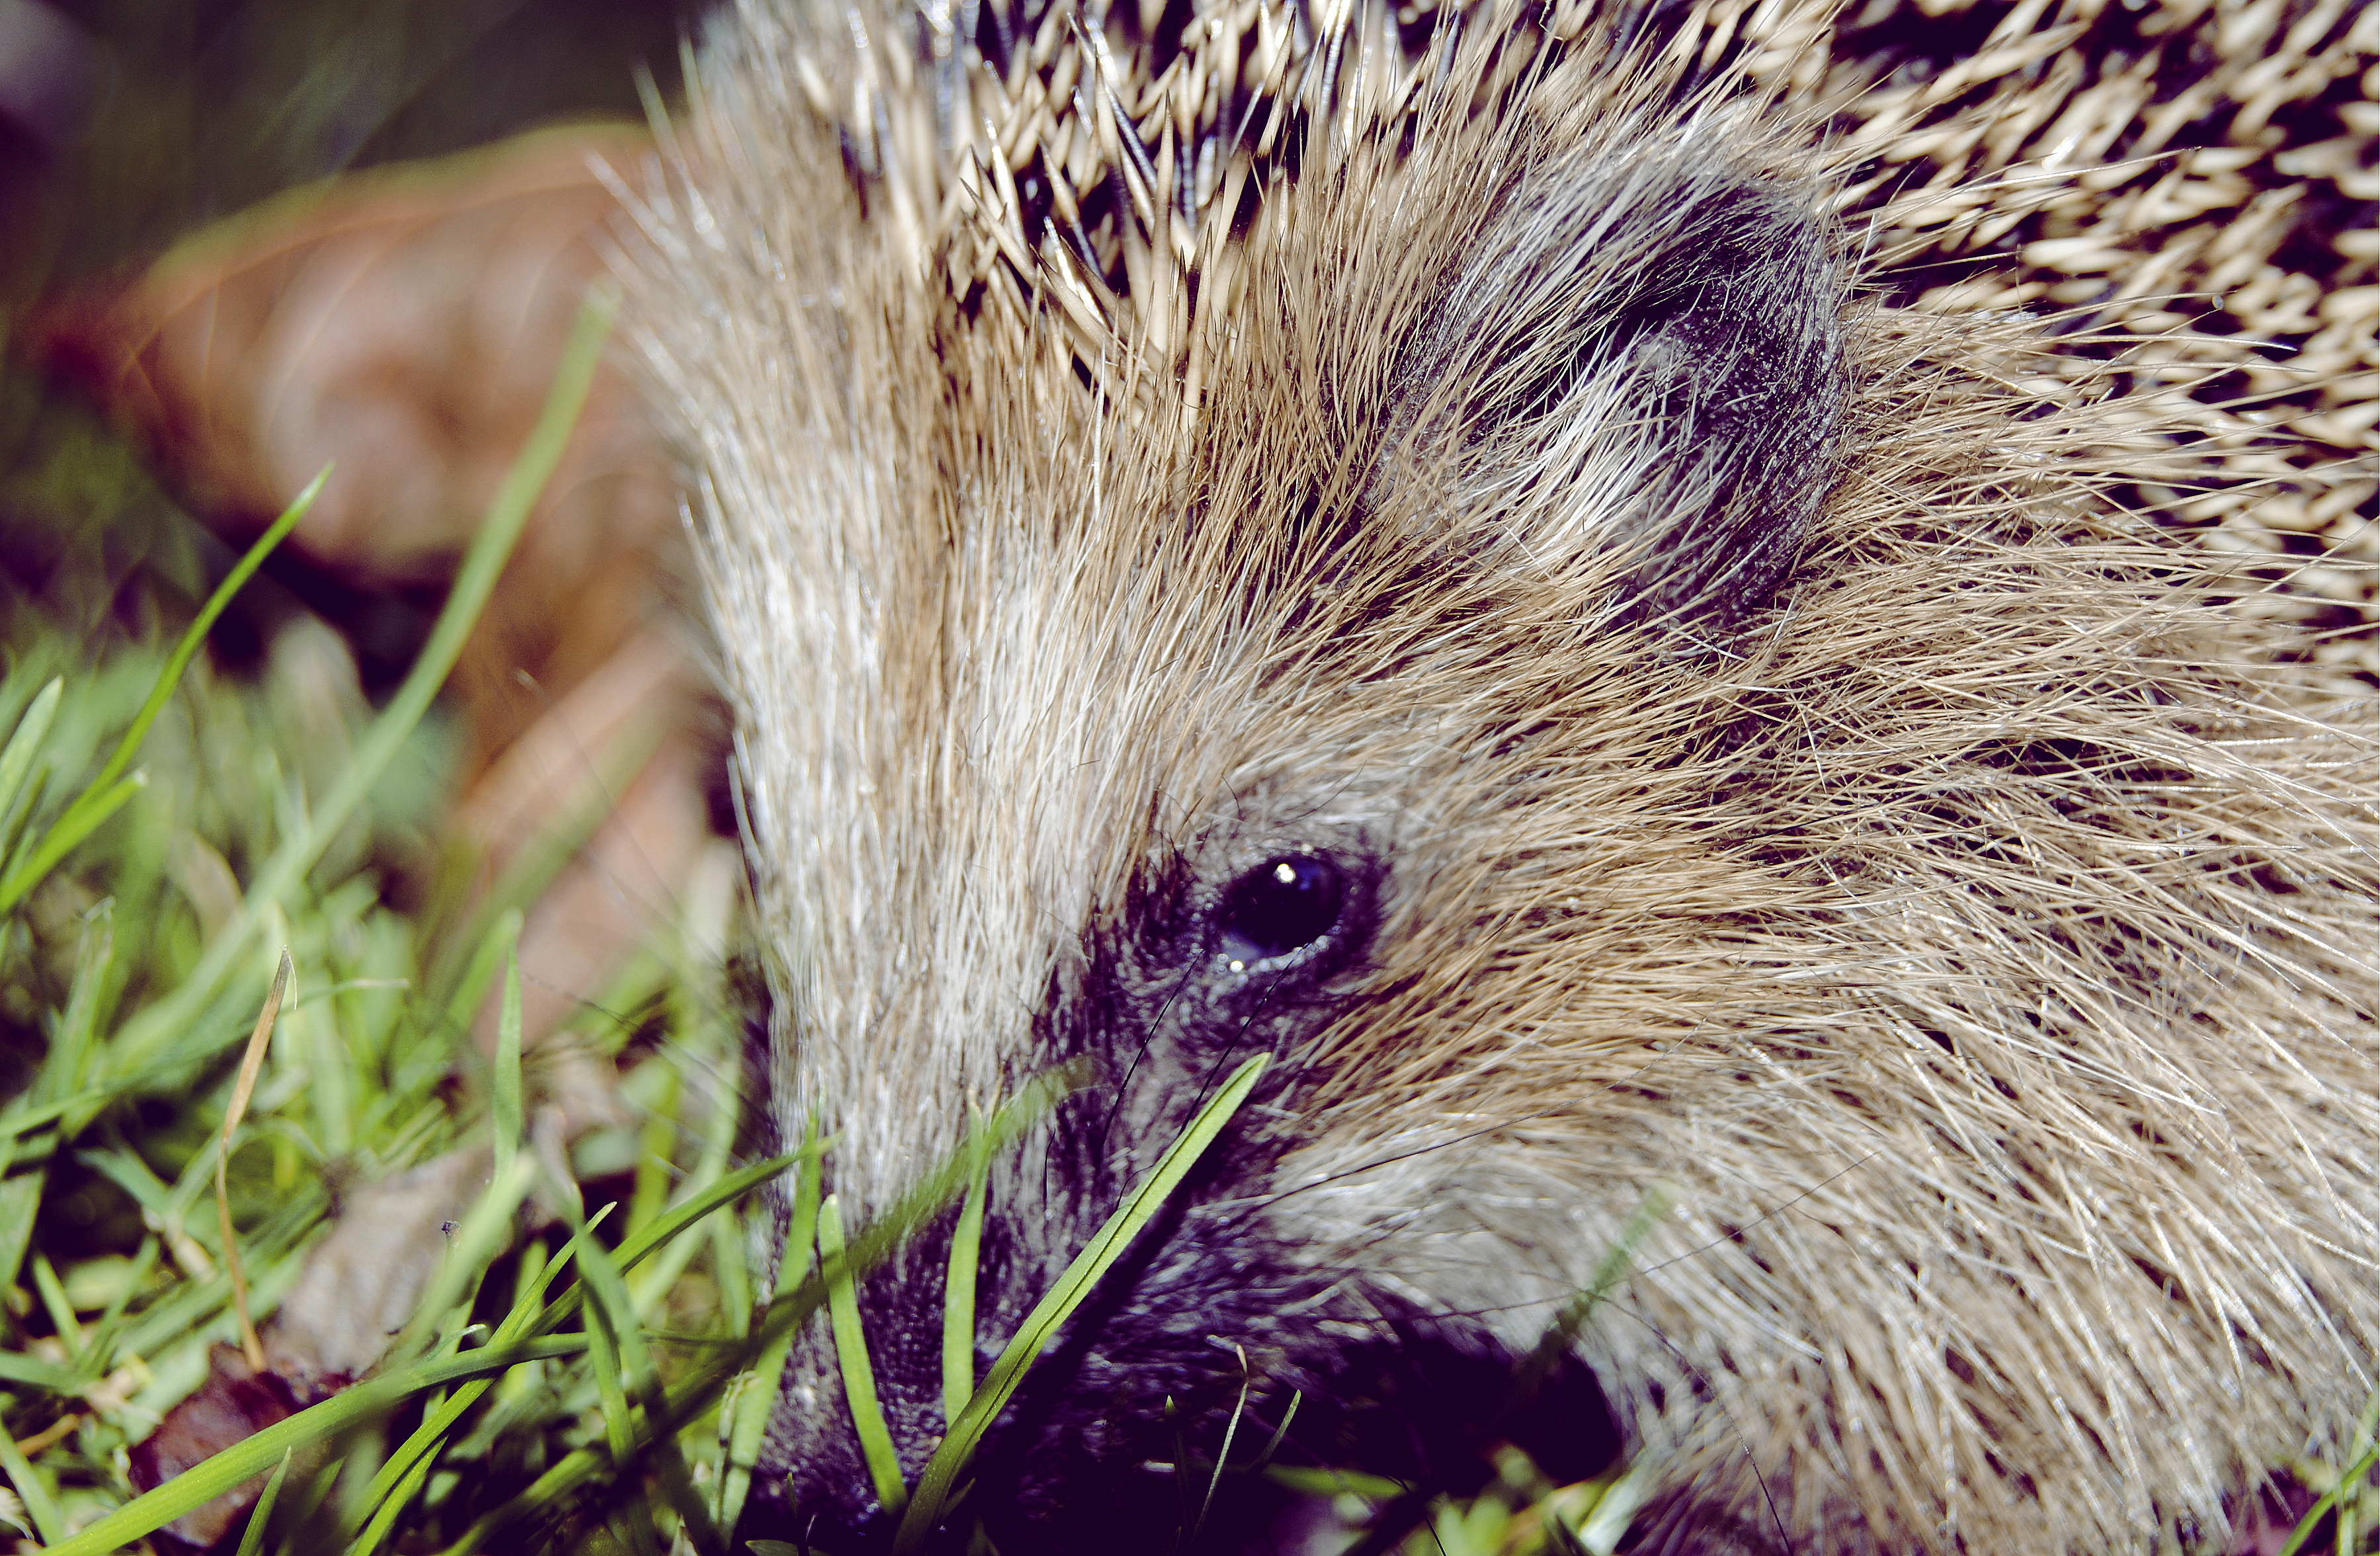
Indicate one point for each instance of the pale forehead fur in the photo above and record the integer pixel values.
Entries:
(995, 661)
(2002, 1035)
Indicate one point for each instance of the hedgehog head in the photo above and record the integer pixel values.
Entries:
(1505, 640)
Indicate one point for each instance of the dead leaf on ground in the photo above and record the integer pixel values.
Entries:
(404, 324)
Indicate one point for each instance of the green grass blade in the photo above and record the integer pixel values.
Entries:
(796, 1302)
(1605, 1523)
(614, 1312)
(17, 760)
(71, 1046)
(759, 1400)
(99, 1357)
(391, 1506)
(105, 793)
(505, 1101)
(33, 1491)
(251, 1540)
(1107, 1246)
(479, 973)
(252, 1456)
(2304, 1530)
(801, 1230)
(635, 1249)
(420, 1449)
(487, 1228)
(20, 1200)
(787, 1313)
(630, 1363)
(187, 649)
(655, 1160)
(561, 835)
(958, 1291)
(62, 1068)
(53, 1294)
(1562, 1333)
(705, 1046)
(1280, 1433)
(610, 1392)
(169, 1020)
(532, 1314)
(402, 1473)
(1222, 1454)
(678, 1218)
(84, 817)
(33, 1372)
(753, 1407)
(851, 1357)
(574, 1471)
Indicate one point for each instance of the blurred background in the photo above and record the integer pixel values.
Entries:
(125, 125)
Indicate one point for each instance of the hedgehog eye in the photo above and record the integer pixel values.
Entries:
(1278, 908)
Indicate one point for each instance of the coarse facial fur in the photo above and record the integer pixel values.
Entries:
(1726, 751)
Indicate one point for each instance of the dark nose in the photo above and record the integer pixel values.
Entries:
(1429, 1408)
(826, 1499)
(821, 1499)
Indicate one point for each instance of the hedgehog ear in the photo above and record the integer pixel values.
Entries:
(1637, 372)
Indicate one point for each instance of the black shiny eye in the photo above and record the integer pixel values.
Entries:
(1278, 907)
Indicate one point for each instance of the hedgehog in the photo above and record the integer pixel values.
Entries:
(1442, 545)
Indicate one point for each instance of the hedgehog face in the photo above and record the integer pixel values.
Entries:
(1372, 656)
(1080, 726)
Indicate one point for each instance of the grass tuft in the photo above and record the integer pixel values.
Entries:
(958, 1292)
(851, 1356)
(1072, 1288)
(109, 789)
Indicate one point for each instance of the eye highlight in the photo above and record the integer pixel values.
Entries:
(1281, 906)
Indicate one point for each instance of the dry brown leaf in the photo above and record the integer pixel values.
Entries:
(402, 325)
